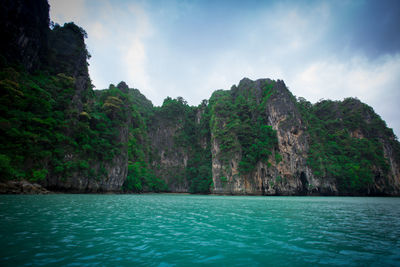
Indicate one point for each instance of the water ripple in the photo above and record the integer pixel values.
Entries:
(178, 230)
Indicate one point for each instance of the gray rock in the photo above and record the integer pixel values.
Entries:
(22, 187)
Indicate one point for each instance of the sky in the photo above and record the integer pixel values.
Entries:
(321, 49)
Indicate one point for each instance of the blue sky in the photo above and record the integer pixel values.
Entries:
(321, 49)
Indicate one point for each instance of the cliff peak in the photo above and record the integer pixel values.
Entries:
(123, 87)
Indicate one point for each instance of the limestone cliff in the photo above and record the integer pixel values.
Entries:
(256, 138)
(102, 131)
(169, 158)
(288, 169)
(179, 147)
(287, 175)
(56, 131)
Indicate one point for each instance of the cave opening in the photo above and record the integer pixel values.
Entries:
(262, 181)
(304, 183)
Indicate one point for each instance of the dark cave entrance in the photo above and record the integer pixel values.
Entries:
(304, 183)
(262, 181)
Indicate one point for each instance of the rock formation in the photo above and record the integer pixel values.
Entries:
(254, 139)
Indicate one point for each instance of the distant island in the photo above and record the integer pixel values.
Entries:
(255, 139)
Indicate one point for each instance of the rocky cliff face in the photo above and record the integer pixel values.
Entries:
(263, 141)
(363, 131)
(102, 132)
(390, 186)
(70, 134)
(256, 138)
(179, 145)
(287, 175)
(169, 158)
(68, 55)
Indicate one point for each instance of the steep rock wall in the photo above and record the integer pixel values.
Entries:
(169, 159)
(256, 138)
(288, 176)
(287, 170)
(180, 145)
(103, 171)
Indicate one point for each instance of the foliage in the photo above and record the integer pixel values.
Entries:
(224, 180)
(42, 133)
(39, 174)
(140, 176)
(54, 125)
(6, 170)
(238, 124)
(45, 132)
(140, 179)
(344, 144)
(67, 50)
(192, 137)
(142, 104)
(278, 157)
(32, 120)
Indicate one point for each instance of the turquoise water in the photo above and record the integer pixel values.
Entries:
(181, 230)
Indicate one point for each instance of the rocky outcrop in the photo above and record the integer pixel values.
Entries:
(61, 52)
(68, 55)
(169, 159)
(392, 184)
(255, 139)
(287, 170)
(22, 187)
(180, 146)
(105, 171)
(290, 175)
(78, 182)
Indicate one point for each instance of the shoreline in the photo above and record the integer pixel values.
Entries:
(24, 187)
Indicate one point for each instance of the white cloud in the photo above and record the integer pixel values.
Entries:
(375, 82)
(134, 48)
(98, 31)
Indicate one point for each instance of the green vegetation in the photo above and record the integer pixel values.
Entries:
(198, 169)
(192, 138)
(54, 124)
(67, 51)
(343, 144)
(238, 124)
(224, 180)
(56, 128)
(44, 134)
(140, 176)
(34, 116)
(40, 127)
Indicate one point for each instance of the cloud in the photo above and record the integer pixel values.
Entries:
(375, 82)
(135, 49)
(120, 36)
(98, 31)
(295, 28)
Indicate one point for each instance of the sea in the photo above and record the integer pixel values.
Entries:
(198, 230)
